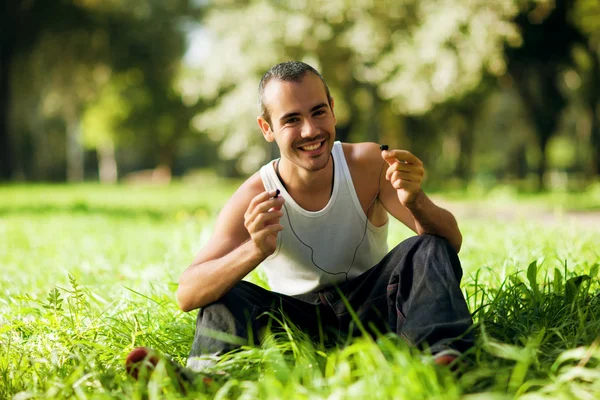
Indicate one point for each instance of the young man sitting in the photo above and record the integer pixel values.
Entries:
(316, 219)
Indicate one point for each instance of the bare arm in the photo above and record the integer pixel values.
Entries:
(245, 234)
(430, 218)
(403, 195)
(400, 193)
(399, 190)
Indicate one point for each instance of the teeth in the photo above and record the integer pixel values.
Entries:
(313, 147)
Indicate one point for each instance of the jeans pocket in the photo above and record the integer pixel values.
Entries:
(393, 307)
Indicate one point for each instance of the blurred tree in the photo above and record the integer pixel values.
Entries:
(73, 48)
(151, 47)
(102, 118)
(26, 24)
(536, 65)
(22, 24)
(586, 16)
(7, 45)
(453, 123)
(383, 60)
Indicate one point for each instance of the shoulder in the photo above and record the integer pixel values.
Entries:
(230, 222)
(247, 191)
(229, 231)
(365, 155)
(365, 165)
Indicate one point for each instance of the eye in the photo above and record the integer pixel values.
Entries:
(319, 112)
(292, 120)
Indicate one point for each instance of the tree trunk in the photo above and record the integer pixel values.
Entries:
(519, 159)
(75, 167)
(465, 148)
(595, 139)
(107, 163)
(593, 100)
(543, 164)
(538, 89)
(42, 160)
(6, 52)
(166, 159)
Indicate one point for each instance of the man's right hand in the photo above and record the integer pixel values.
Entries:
(261, 219)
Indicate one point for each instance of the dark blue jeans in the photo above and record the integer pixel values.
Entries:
(414, 292)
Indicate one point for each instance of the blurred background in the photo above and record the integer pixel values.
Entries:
(486, 93)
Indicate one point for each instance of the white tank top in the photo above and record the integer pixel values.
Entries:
(334, 233)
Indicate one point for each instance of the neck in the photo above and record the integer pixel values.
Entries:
(299, 180)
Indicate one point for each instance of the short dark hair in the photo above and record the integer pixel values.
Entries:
(288, 71)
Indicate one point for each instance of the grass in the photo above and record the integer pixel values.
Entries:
(89, 272)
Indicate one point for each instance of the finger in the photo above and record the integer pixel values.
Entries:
(265, 206)
(406, 176)
(275, 228)
(268, 218)
(397, 166)
(268, 230)
(265, 216)
(277, 207)
(388, 159)
(397, 178)
(261, 220)
(259, 198)
(406, 185)
(401, 155)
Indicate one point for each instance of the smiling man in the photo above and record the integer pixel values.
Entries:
(316, 219)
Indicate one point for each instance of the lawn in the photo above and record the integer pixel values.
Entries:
(89, 272)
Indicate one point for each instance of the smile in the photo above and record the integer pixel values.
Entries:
(312, 147)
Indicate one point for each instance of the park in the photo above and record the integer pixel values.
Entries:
(125, 130)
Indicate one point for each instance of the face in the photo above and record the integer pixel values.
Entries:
(302, 121)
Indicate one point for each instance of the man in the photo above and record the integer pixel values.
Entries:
(316, 220)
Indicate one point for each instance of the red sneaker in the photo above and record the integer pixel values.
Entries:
(143, 358)
(139, 358)
(446, 357)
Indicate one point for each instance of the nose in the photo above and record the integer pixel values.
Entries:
(309, 129)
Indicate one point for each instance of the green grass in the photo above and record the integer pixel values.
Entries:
(89, 272)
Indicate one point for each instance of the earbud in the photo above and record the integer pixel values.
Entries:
(276, 193)
(384, 147)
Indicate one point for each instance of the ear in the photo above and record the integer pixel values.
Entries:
(266, 129)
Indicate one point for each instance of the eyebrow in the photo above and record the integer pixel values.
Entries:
(296, 113)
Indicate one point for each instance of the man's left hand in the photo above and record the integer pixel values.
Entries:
(405, 173)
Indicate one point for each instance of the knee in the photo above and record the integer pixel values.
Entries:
(422, 245)
(217, 319)
(433, 242)
(214, 308)
(439, 251)
(228, 303)
(225, 312)
(214, 313)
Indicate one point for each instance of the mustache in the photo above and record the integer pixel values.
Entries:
(317, 138)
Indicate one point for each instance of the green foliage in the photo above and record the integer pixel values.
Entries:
(381, 60)
(101, 120)
(89, 272)
(111, 65)
(457, 83)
